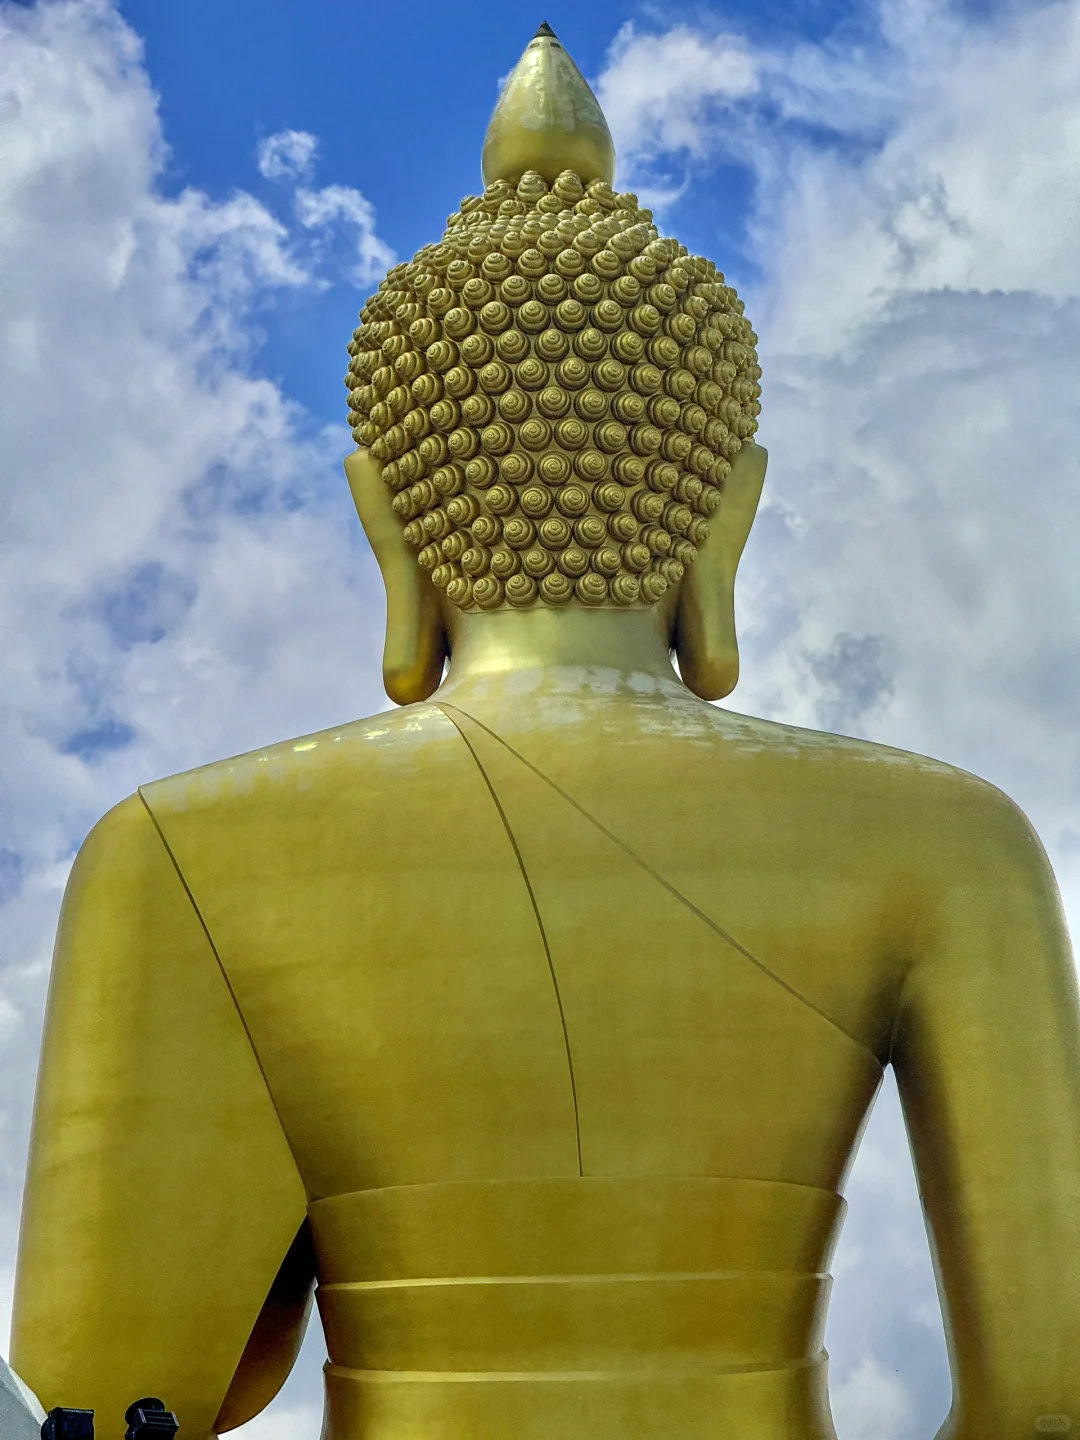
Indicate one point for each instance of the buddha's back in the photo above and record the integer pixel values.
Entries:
(571, 1004)
(551, 1011)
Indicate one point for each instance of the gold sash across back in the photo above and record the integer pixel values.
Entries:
(527, 1308)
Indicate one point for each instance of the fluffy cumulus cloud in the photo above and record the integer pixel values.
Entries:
(342, 205)
(662, 93)
(287, 155)
(911, 577)
(174, 532)
(173, 529)
(290, 155)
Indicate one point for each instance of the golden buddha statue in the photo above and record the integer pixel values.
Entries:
(538, 1019)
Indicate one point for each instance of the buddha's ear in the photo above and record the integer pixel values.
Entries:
(415, 647)
(705, 639)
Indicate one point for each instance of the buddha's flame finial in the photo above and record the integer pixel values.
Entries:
(547, 119)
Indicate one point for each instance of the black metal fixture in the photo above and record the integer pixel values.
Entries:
(149, 1420)
(64, 1424)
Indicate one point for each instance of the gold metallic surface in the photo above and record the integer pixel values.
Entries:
(538, 1020)
(547, 120)
(160, 1168)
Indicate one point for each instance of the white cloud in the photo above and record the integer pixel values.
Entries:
(341, 204)
(660, 93)
(335, 209)
(287, 155)
(286, 1422)
(870, 1403)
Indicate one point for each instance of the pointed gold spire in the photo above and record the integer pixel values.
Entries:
(547, 119)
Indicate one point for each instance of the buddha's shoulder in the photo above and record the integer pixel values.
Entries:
(373, 757)
(833, 767)
(826, 750)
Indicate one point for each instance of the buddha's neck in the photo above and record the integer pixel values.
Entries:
(542, 638)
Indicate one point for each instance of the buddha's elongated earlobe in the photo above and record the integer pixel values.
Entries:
(416, 646)
(705, 639)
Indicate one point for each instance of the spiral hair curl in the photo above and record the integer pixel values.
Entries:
(555, 395)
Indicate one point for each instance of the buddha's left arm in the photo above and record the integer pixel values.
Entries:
(162, 1201)
(987, 1055)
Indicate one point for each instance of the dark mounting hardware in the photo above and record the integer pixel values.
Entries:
(149, 1420)
(64, 1424)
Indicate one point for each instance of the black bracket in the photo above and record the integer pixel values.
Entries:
(64, 1424)
(149, 1420)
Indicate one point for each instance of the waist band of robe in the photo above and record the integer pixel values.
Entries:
(596, 1281)
(789, 1403)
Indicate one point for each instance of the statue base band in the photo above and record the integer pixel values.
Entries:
(537, 1020)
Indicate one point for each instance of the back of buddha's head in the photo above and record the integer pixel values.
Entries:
(554, 392)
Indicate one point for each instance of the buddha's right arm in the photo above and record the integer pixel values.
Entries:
(161, 1198)
(987, 1055)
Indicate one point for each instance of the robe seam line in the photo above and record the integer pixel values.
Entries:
(511, 837)
(672, 890)
(225, 977)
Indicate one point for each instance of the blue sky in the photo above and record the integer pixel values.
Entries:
(399, 100)
(891, 184)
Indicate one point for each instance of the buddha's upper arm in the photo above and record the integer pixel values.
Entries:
(987, 1055)
(993, 970)
(161, 1195)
